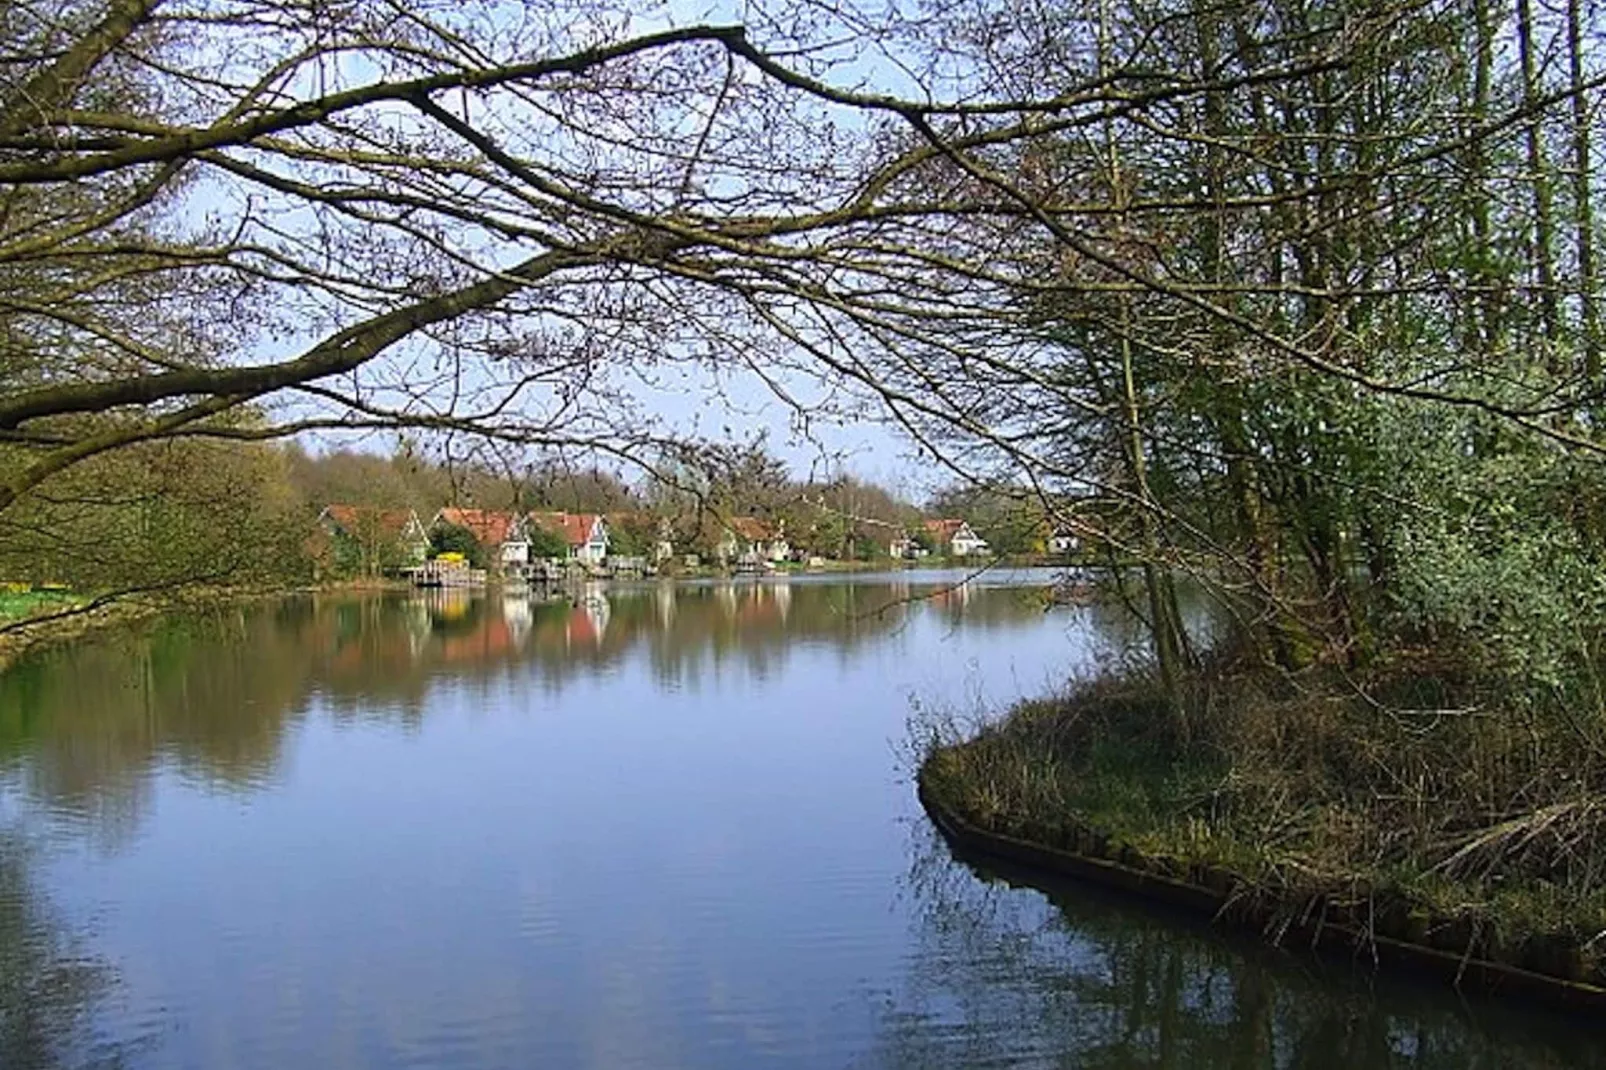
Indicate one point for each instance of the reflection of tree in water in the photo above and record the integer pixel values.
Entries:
(48, 988)
(1001, 977)
(213, 693)
(82, 727)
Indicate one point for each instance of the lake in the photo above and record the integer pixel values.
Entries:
(647, 826)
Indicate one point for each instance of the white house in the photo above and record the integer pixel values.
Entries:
(755, 539)
(955, 538)
(584, 534)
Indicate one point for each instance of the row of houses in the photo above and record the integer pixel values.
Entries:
(405, 540)
(394, 538)
(506, 537)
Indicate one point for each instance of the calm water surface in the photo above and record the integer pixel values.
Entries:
(659, 827)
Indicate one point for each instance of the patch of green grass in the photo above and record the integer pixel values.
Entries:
(17, 604)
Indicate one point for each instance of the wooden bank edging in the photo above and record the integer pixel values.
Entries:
(1218, 902)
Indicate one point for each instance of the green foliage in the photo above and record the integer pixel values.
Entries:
(1498, 559)
(868, 548)
(160, 516)
(546, 543)
(632, 538)
(454, 539)
(19, 604)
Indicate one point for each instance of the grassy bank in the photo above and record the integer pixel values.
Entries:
(1449, 823)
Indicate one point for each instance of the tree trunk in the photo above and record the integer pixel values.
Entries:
(1544, 226)
(1583, 205)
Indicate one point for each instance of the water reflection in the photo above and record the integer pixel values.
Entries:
(214, 695)
(1078, 977)
(50, 987)
(645, 826)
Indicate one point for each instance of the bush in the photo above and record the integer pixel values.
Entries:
(454, 539)
(547, 543)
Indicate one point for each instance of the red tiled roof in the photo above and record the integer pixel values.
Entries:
(944, 530)
(574, 527)
(350, 518)
(490, 528)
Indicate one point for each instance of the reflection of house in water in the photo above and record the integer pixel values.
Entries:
(763, 603)
(415, 615)
(516, 612)
(447, 603)
(487, 639)
(663, 601)
(588, 620)
(725, 598)
(958, 596)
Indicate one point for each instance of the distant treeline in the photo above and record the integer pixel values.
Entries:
(193, 510)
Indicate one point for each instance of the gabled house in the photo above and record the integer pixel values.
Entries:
(754, 539)
(502, 535)
(954, 538)
(584, 534)
(369, 541)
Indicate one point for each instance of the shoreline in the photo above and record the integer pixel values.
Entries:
(1089, 787)
(136, 610)
(1219, 896)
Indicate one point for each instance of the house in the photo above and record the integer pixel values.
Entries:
(368, 540)
(503, 535)
(755, 539)
(584, 534)
(954, 538)
(901, 547)
(1064, 541)
(663, 546)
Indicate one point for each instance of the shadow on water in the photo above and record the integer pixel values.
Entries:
(50, 987)
(1071, 975)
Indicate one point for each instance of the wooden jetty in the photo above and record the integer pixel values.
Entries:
(626, 568)
(445, 573)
